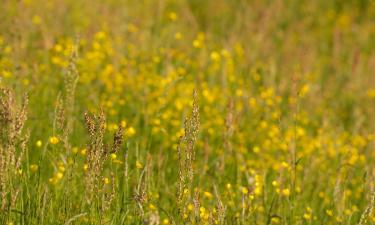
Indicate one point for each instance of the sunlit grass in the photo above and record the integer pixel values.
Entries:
(187, 112)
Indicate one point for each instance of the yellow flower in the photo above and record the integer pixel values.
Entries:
(172, 16)
(208, 194)
(6, 74)
(178, 36)
(190, 207)
(54, 140)
(286, 192)
(113, 156)
(244, 190)
(258, 190)
(62, 168)
(256, 149)
(197, 44)
(84, 151)
(166, 221)
(304, 90)
(307, 216)
(152, 207)
(59, 175)
(39, 143)
(329, 212)
(215, 56)
(138, 165)
(123, 123)
(75, 150)
(100, 35)
(106, 180)
(203, 214)
(130, 131)
(58, 48)
(34, 167)
(275, 220)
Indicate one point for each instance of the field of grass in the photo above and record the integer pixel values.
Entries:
(164, 112)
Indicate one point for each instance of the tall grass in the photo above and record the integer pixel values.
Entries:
(187, 112)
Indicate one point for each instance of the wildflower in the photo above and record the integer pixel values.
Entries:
(203, 213)
(275, 220)
(51, 180)
(39, 143)
(244, 190)
(178, 36)
(123, 123)
(113, 156)
(83, 151)
(59, 175)
(58, 48)
(138, 165)
(172, 16)
(130, 131)
(166, 221)
(286, 192)
(54, 140)
(152, 207)
(190, 207)
(62, 168)
(258, 190)
(208, 194)
(75, 150)
(34, 167)
(304, 90)
(100, 35)
(285, 164)
(307, 216)
(329, 212)
(256, 149)
(106, 180)
(215, 56)
(197, 44)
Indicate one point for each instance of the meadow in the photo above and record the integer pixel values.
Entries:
(256, 112)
